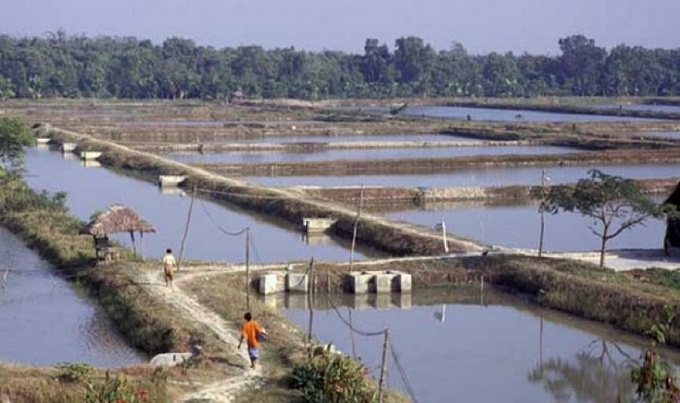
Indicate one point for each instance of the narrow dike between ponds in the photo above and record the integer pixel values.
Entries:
(373, 231)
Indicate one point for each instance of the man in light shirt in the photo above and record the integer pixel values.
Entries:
(169, 265)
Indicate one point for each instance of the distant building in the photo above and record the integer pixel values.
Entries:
(236, 97)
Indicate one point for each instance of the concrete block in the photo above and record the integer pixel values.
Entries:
(170, 180)
(68, 147)
(403, 283)
(170, 359)
(268, 284)
(359, 282)
(42, 140)
(313, 225)
(90, 155)
(383, 283)
(297, 282)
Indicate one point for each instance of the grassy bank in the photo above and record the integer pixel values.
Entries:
(43, 222)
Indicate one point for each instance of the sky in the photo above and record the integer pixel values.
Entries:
(482, 26)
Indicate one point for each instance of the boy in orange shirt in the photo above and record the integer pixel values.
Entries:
(252, 331)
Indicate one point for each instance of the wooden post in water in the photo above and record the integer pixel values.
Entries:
(310, 306)
(248, 269)
(383, 368)
(356, 224)
(141, 244)
(542, 211)
(186, 228)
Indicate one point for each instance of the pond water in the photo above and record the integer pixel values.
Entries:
(478, 177)
(520, 228)
(44, 320)
(281, 139)
(507, 115)
(465, 345)
(92, 189)
(363, 154)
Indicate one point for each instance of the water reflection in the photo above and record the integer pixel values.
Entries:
(457, 346)
(96, 189)
(44, 321)
(281, 139)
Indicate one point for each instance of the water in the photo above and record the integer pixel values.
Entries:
(477, 177)
(363, 154)
(519, 227)
(45, 321)
(484, 347)
(281, 139)
(92, 189)
(508, 115)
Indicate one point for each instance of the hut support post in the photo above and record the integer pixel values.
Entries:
(141, 244)
(134, 247)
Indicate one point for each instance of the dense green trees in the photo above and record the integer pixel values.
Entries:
(75, 66)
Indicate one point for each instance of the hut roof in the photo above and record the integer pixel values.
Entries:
(118, 218)
(674, 198)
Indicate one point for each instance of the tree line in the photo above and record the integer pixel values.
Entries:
(59, 65)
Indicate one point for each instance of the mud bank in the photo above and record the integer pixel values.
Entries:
(376, 196)
(441, 165)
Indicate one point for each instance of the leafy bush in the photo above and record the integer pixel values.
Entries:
(331, 377)
(74, 371)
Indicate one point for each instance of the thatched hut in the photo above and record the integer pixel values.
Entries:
(672, 238)
(117, 219)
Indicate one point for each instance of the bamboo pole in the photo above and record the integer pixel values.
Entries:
(186, 228)
(248, 269)
(383, 368)
(356, 224)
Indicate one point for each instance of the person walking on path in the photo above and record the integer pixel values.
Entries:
(253, 333)
(169, 265)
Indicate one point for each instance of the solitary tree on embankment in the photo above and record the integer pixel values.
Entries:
(615, 204)
(15, 136)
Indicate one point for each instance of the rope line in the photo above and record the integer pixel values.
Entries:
(402, 373)
(350, 326)
(219, 227)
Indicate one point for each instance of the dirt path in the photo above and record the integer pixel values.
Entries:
(224, 390)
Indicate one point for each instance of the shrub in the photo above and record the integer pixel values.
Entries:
(331, 377)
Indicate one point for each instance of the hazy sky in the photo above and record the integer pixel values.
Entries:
(482, 26)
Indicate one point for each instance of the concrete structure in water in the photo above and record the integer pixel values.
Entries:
(273, 283)
(316, 225)
(170, 180)
(90, 155)
(379, 282)
(68, 147)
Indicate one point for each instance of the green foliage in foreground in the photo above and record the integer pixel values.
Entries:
(333, 378)
(655, 379)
